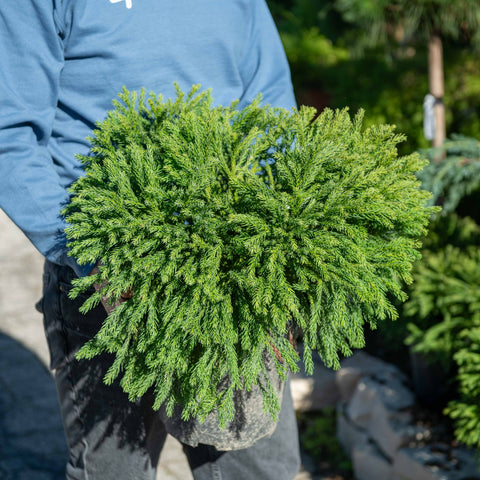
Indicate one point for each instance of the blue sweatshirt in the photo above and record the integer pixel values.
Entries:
(63, 61)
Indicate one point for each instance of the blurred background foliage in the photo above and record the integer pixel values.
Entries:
(373, 54)
(335, 61)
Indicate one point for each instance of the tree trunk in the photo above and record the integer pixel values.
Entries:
(435, 74)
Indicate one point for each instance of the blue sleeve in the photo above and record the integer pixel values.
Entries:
(31, 193)
(264, 67)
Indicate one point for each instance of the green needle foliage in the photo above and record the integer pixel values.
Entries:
(232, 227)
(446, 296)
(456, 176)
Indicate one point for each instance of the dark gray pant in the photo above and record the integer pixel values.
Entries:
(112, 438)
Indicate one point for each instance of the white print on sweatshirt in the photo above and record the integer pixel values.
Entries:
(127, 2)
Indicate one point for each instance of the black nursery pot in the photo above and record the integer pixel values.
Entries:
(430, 379)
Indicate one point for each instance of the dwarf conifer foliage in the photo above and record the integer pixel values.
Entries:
(231, 226)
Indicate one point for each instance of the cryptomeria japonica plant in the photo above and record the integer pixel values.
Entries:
(232, 228)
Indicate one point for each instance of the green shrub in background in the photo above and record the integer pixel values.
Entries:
(309, 47)
(446, 297)
(443, 311)
(453, 174)
(462, 86)
(441, 301)
(318, 438)
(465, 411)
(451, 229)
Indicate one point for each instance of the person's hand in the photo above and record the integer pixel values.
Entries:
(105, 300)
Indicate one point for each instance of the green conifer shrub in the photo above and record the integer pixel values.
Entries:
(232, 227)
(444, 303)
(457, 176)
(465, 410)
(447, 298)
(442, 300)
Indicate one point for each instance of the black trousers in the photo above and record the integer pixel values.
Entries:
(110, 437)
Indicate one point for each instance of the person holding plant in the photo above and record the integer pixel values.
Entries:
(62, 64)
